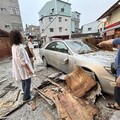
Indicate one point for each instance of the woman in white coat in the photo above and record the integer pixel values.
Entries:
(21, 65)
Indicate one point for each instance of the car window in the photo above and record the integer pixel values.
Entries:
(79, 47)
(57, 46)
(51, 46)
(61, 47)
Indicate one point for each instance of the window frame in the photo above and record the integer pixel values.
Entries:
(51, 29)
(60, 19)
(62, 50)
(60, 29)
(90, 29)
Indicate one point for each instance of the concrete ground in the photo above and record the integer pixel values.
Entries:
(26, 113)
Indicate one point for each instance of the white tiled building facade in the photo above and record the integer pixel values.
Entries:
(55, 20)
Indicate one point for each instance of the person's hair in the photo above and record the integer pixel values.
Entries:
(30, 36)
(16, 37)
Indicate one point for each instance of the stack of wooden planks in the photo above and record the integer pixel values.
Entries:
(69, 108)
(68, 102)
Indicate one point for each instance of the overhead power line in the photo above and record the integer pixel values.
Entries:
(55, 17)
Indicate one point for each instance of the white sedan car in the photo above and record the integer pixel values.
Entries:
(65, 55)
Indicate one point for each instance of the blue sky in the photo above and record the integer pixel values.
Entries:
(90, 9)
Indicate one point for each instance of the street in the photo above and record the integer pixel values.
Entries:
(25, 112)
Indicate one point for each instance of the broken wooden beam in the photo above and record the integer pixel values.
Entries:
(48, 100)
(43, 84)
(54, 83)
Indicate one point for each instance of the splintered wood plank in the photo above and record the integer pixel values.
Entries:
(79, 82)
(62, 113)
(49, 101)
(48, 115)
(33, 104)
(48, 92)
(75, 110)
(54, 83)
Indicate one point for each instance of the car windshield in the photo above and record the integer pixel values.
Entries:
(79, 47)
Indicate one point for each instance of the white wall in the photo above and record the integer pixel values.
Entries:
(115, 17)
(66, 26)
(94, 27)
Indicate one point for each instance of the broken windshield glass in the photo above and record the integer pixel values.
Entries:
(79, 47)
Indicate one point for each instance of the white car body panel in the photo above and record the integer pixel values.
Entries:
(94, 61)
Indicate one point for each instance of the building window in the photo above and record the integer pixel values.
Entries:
(51, 30)
(14, 11)
(42, 30)
(17, 11)
(60, 29)
(52, 10)
(7, 26)
(62, 9)
(89, 29)
(65, 19)
(50, 19)
(10, 10)
(17, 26)
(3, 9)
(41, 20)
(60, 19)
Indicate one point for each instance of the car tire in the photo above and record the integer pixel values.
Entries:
(45, 62)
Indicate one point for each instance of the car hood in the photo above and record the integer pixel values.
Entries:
(99, 57)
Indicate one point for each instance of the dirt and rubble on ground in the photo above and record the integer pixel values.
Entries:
(56, 96)
(66, 97)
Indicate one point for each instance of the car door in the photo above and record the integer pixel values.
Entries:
(51, 53)
(63, 57)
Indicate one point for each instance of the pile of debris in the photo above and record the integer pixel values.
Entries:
(9, 99)
(73, 95)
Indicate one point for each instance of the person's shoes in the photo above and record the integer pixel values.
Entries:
(25, 101)
(113, 106)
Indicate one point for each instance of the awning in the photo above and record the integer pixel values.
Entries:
(113, 25)
(113, 28)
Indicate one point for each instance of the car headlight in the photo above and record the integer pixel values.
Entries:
(108, 69)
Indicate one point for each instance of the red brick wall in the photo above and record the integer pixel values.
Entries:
(5, 48)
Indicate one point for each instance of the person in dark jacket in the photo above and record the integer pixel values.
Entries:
(115, 41)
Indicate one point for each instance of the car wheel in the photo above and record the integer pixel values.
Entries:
(44, 62)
